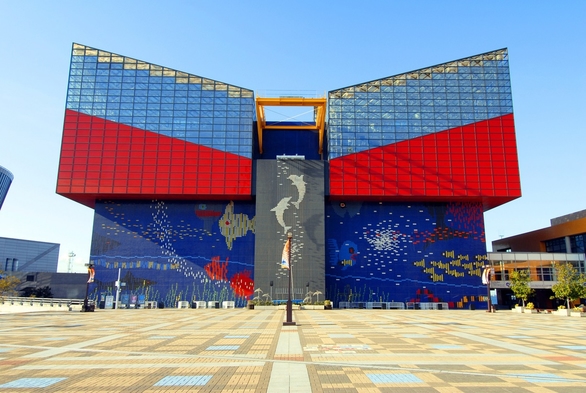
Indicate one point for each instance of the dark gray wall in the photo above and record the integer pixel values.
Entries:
(279, 186)
(63, 285)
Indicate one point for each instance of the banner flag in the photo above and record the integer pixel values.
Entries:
(486, 275)
(285, 257)
(91, 274)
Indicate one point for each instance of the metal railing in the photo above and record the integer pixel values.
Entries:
(35, 301)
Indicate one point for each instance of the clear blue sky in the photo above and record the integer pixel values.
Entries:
(295, 45)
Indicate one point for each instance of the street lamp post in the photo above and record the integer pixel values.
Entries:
(90, 279)
(289, 321)
(486, 278)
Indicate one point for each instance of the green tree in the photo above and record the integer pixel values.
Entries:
(8, 284)
(520, 280)
(570, 283)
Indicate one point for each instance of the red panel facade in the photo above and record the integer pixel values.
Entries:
(101, 159)
(473, 162)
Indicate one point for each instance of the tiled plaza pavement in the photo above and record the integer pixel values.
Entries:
(241, 350)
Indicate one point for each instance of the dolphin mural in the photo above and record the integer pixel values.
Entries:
(300, 184)
(280, 211)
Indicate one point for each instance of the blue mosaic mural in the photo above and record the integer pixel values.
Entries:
(388, 252)
(385, 252)
(174, 251)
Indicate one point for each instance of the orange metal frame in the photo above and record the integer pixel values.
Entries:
(319, 105)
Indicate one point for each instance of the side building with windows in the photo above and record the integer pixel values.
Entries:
(195, 191)
(566, 234)
(6, 178)
(537, 252)
(21, 256)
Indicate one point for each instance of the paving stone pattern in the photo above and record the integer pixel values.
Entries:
(242, 350)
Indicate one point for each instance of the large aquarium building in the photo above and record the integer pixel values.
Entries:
(195, 191)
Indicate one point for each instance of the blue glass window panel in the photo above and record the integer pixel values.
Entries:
(493, 113)
(478, 85)
(442, 123)
(441, 115)
(480, 113)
